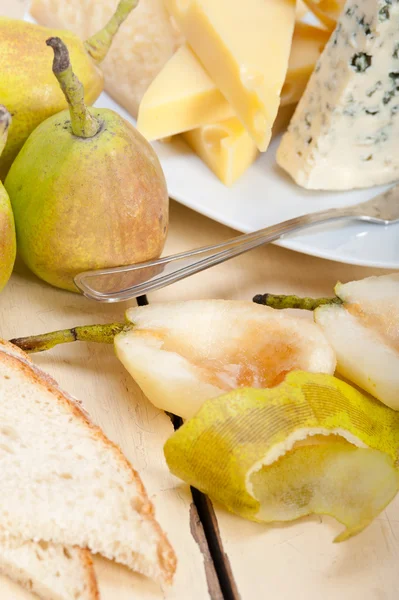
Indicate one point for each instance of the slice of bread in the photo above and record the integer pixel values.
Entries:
(63, 481)
(144, 43)
(51, 571)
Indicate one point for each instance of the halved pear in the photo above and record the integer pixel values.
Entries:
(364, 332)
(182, 354)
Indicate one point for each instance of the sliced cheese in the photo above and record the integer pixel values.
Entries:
(283, 119)
(327, 11)
(184, 97)
(307, 44)
(226, 148)
(181, 97)
(301, 9)
(345, 131)
(245, 47)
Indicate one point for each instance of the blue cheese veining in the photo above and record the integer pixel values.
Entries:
(345, 131)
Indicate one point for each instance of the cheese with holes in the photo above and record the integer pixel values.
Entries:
(184, 97)
(225, 147)
(244, 47)
(345, 131)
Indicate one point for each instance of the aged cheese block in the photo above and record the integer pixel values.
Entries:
(245, 48)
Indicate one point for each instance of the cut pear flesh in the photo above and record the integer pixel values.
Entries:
(364, 333)
(375, 303)
(312, 445)
(181, 354)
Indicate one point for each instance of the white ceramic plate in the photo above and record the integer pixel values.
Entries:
(264, 196)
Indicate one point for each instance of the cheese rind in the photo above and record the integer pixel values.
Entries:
(184, 97)
(226, 148)
(345, 131)
(245, 47)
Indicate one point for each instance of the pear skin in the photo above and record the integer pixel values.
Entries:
(7, 227)
(7, 238)
(82, 204)
(28, 87)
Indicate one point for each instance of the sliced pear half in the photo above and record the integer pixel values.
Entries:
(312, 445)
(364, 332)
(181, 354)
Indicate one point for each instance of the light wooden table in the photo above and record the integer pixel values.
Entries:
(252, 562)
(264, 561)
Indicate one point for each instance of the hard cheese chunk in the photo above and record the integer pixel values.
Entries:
(327, 11)
(307, 45)
(225, 147)
(184, 97)
(345, 131)
(181, 97)
(301, 9)
(245, 47)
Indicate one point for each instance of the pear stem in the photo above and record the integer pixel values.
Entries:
(102, 334)
(83, 123)
(5, 122)
(280, 302)
(99, 43)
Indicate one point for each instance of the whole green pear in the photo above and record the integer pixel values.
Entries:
(27, 85)
(7, 228)
(87, 190)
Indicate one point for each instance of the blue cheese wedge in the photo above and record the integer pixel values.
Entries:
(345, 131)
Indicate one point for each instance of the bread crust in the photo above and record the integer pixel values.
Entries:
(86, 560)
(91, 579)
(166, 557)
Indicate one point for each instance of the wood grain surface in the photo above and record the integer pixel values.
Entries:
(262, 562)
(299, 560)
(93, 374)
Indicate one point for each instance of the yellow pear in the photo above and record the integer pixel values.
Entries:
(27, 85)
(7, 228)
(87, 190)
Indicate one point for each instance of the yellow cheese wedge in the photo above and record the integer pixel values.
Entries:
(283, 119)
(301, 9)
(184, 97)
(327, 11)
(181, 97)
(225, 147)
(307, 44)
(245, 48)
